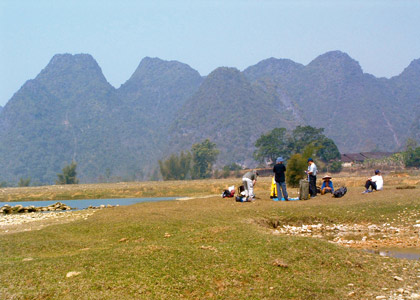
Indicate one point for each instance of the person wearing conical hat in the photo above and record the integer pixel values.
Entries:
(327, 185)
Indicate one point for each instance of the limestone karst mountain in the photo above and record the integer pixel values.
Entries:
(70, 112)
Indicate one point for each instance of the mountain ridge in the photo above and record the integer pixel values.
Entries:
(69, 111)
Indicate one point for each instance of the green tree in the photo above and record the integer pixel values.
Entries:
(24, 182)
(297, 165)
(336, 166)
(327, 150)
(3, 184)
(204, 156)
(412, 157)
(69, 175)
(271, 145)
(303, 136)
(176, 167)
(228, 168)
(410, 144)
(324, 147)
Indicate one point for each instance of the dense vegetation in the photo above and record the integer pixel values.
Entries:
(412, 154)
(69, 175)
(279, 142)
(69, 112)
(197, 164)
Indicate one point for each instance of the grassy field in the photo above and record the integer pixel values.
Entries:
(207, 248)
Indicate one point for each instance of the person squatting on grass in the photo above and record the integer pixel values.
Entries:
(312, 171)
(375, 182)
(327, 185)
(279, 169)
(249, 179)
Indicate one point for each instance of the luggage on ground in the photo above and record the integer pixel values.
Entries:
(273, 192)
(340, 192)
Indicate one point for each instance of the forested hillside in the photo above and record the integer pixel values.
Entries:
(69, 112)
(230, 111)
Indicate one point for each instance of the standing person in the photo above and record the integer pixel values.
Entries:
(312, 170)
(279, 169)
(249, 179)
(375, 182)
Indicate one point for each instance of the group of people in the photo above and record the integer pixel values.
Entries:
(249, 179)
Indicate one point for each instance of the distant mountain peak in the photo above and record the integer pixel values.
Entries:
(156, 70)
(336, 61)
(63, 67)
(273, 68)
(77, 62)
(224, 70)
(227, 75)
(67, 57)
(413, 69)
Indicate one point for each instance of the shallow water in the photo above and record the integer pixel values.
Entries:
(407, 253)
(85, 203)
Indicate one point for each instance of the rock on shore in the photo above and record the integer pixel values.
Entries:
(58, 206)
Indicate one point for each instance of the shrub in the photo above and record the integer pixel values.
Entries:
(336, 167)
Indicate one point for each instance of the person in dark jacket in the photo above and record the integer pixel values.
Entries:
(279, 170)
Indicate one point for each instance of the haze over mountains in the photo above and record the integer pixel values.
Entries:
(70, 112)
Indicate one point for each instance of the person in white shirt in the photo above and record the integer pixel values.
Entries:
(375, 182)
(312, 170)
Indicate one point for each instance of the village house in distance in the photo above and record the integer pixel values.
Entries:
(349, 159)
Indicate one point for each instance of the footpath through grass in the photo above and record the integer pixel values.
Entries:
(209, 248)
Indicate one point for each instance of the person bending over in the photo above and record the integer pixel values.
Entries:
(249, 179)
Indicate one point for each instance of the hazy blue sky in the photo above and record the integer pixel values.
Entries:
(384, 36)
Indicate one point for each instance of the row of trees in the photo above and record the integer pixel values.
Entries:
(297, 145)
(68, 176)
(194, 164)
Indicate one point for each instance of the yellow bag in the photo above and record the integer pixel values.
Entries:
(273, 193)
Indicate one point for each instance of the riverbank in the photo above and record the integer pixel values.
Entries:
(214, 248)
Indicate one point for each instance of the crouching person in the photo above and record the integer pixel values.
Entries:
(375, 183)
(327, 185)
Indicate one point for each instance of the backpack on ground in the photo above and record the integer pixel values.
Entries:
(241, 194)
(340, 192)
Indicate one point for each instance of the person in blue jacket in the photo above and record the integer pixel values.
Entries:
(327, 185)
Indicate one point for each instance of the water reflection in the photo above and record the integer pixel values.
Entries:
(407, 253)
(82, 204)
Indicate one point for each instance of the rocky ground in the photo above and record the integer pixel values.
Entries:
(11, 223)
(374, 237)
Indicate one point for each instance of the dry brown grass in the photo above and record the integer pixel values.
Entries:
(186, 188)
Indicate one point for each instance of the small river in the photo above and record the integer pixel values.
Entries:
(85, 203)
